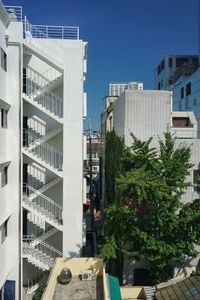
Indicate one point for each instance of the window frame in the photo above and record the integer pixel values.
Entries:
(3, 60)
(188, 89)
(4, 231)
(4, 118)
(4, 176)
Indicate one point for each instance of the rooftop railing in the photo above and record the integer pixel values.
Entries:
(14, 12)
(51, 32)
(43, 31)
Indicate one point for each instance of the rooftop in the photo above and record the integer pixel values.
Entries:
(15, 13)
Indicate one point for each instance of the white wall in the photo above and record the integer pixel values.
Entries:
(73, 149)
(144, 113)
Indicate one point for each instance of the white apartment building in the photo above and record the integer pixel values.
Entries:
(115, 89)
(173, 67)
(186, 95)
(42, 106)
(149, 114)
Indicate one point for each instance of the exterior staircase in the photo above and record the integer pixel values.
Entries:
(43, 236)
(38, 88)
(49, 135)
(45, 154)
(41, 255)
(42, 206)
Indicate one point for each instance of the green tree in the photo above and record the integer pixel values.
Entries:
(113, 153)
(149, 221)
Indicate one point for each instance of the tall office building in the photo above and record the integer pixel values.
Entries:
(115, 89)
(42, 101)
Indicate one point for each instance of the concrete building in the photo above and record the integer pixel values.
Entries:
(149, 114)
(173, 67)
(42, 104)
(186, 95)
(115, 89)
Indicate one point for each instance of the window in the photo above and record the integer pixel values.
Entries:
(182, 92)
(170, 62)
(188, 89)
(195, 102)
(4, 118)
(3, 60)
(196, 180)
(158, 85)
(4, 231)
(170, 81)
(4, 176)
(180, 61)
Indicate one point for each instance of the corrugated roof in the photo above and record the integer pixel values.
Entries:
(188, 288)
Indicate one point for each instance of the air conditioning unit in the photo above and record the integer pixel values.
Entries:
(86, 275)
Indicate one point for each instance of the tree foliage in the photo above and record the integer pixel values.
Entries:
(149, 221)
(113, 153)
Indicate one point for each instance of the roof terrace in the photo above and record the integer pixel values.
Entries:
(15, 13)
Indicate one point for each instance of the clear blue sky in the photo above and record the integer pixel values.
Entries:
(127, 39)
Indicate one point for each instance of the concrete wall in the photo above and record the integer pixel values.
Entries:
(190, 102)
(73, 148)
(144, 113)
(10, 92)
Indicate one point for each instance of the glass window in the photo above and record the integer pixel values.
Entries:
(4, 176)
(3, 60)
(170, 62)
(196, 180)
(188, 89)
(182, 92)
(4, 231)
(4, 118)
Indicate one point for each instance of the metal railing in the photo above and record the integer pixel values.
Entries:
(47, 206)
(36, 87)
(41, 247)
(45, 152)
(51, 32)
(48, 47)
(14, 13)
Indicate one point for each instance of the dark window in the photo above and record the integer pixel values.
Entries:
(4, 176)
(4, 118)
(180, 61)
(170, 62)
(196, 180)
(158, 70)
(180, 122)
(162, 65)
(182, 92)
(3, 60)
(158, 85)
(170, 81)
(4, 231)
(188, 89)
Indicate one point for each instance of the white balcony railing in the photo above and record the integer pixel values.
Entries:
(43, 203)
(41, 246)
(14, 12)
(45, 151)
(51, 32)
(37, 85)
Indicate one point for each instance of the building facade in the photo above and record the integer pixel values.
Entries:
(42, 103)
(173, 67)
(115, 89)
